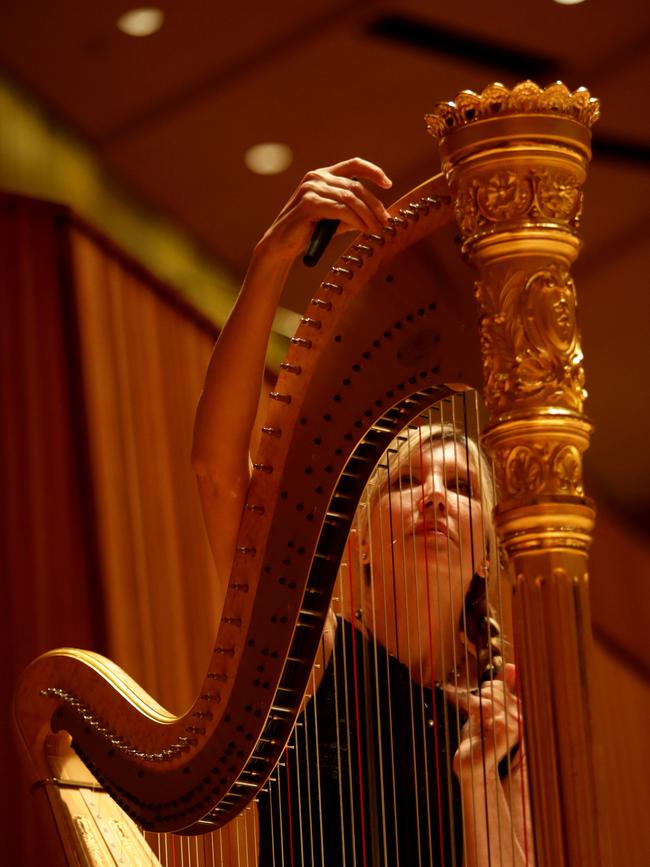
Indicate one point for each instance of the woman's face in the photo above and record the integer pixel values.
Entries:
(423, 541)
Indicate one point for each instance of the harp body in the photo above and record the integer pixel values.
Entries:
(377, 346)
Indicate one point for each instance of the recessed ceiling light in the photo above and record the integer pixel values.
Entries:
(569, 2)
(268, 158)
(141, 22)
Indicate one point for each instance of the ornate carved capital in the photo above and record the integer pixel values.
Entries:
(525, 98)
(494, 199)
(538, 455)
(540, 467)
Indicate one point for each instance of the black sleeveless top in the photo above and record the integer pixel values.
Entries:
(368, 782)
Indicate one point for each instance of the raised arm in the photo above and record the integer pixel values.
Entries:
(230, 397)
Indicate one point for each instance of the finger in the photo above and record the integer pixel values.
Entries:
(360, 168)
(458, 697)
(365, 198)
(482, 707)
(503, 690)
(510, 677)
(497, 695)
(316, 206)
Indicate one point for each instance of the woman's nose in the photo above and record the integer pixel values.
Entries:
(432, 496)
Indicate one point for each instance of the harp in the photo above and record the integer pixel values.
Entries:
(514, 163)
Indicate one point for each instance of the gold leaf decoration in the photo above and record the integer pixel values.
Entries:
(507, 195)
(526, 96)
(524, 471)
(542, 467)
(529, 340)
(558, 196)
(567, 470)
(490, 198)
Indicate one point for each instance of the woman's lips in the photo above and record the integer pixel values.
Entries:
(437, 528)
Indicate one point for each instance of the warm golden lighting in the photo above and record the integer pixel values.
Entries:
(569, 2)
(268, 158)
(141, 22)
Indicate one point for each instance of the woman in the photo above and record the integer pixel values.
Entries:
(403, 626)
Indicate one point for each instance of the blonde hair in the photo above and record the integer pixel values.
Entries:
(399, 455)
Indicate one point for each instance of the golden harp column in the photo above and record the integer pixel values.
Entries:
(516, 162)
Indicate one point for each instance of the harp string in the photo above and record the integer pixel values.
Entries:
(422, 722)
(415, 446)
(300, 730)
(343, 781)
(282, 764)
(520, 797)
(465, 668)
(298, 794)
(456, 664)
(407, 638)
(461, 666)
(270, 787)
(463, 449)
(351, 802)
(383, 725)
(396, 528)
(482, 530)
(314, 705)
(434, 708)
(384, 618)
(357, 719)
(491, 593)
(404, 599)
(173, 850)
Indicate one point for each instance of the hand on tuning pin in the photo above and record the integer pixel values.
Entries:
(332, 193)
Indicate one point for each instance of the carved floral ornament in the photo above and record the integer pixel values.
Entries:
(508, 195)
(529, 341)
(497, 100)
(546, 467)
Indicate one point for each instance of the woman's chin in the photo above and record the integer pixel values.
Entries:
(435, 559)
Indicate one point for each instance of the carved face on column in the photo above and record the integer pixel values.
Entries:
(550, 312)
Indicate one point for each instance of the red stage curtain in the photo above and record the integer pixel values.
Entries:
(102, 539)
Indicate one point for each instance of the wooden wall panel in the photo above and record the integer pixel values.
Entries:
(620, 590)
(622, 719)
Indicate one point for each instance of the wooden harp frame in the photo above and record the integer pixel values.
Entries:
(377, 347)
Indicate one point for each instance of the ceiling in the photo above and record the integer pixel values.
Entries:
(171, 116)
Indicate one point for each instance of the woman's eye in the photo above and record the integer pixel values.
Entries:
(462, 486)
(405, 480)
